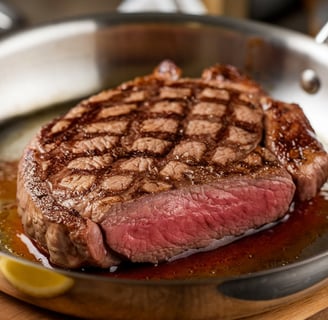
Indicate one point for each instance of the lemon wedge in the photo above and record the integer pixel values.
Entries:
(34, 281)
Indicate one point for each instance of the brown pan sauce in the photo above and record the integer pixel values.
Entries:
(302, 235)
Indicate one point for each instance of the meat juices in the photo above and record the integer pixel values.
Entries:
(160, 165)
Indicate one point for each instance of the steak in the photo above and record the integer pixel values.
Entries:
(290, 136)
(163, 164)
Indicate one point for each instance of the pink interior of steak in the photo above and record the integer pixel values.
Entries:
(158, 228)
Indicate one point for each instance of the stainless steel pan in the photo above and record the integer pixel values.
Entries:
(68, 60)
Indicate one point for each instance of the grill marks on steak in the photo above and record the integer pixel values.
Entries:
(69, 239)
(172, 131)
(290, 136)
(156, 166)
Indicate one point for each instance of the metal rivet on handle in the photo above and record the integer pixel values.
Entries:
(310, 81)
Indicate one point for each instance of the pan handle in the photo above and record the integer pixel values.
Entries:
(322, 35)
(10, 18)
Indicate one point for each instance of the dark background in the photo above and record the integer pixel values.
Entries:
(306, 16)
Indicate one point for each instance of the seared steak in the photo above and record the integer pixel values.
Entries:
(290, 137)
(159, 165)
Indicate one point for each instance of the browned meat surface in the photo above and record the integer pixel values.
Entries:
(154, 167)
(291, 138)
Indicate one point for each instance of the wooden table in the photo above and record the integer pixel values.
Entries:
(311, 308)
